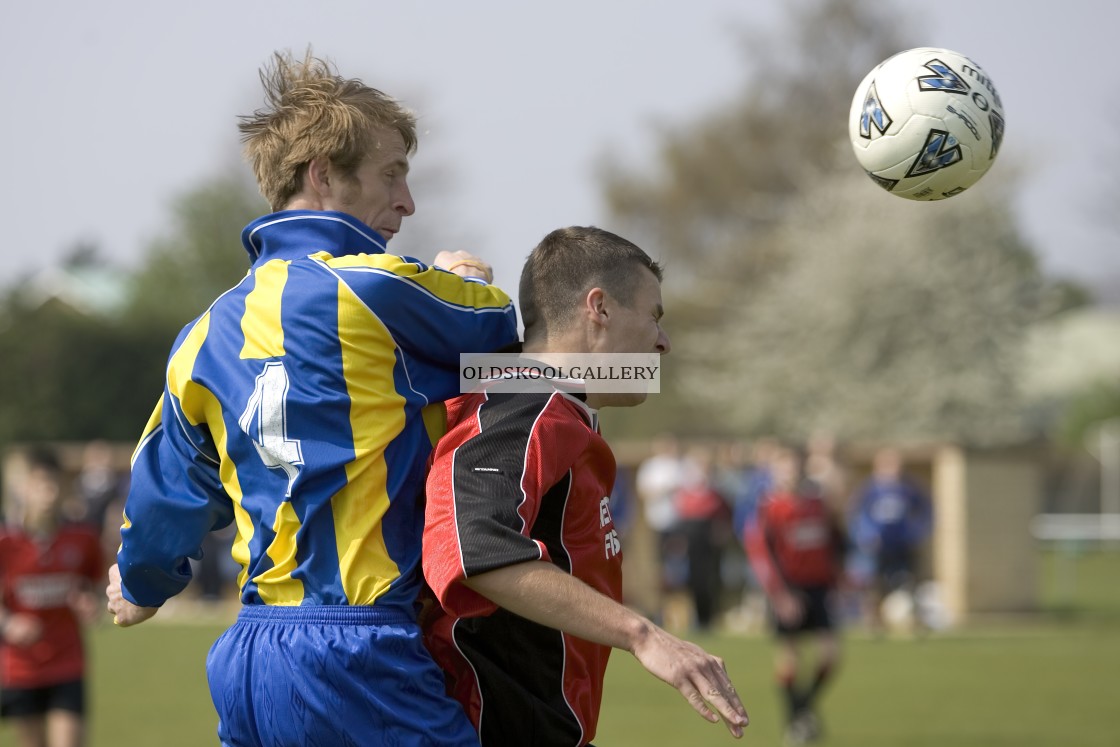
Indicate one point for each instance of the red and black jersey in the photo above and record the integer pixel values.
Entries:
(38, 579)
(795, 542)
(519, 477)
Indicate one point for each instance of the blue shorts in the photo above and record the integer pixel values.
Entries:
(330, 676)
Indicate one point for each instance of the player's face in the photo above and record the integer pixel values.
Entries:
(636, 327)
(785, 472)
(378, 193)
(41, 495)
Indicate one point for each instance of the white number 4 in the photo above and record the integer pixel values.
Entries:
(265, 422)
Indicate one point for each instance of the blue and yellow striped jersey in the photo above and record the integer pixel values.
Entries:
(295, 407)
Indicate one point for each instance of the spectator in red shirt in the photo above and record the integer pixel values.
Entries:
(705, 524)
(796, 548)
(48, 571)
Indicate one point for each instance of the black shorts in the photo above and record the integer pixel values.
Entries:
(817, 615)
(36, 701)
(895, 568)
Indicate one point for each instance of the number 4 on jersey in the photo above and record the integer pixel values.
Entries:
(265, 422)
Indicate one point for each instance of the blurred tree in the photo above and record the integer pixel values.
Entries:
(1087, 411)
(801, 296)
(890, 319)
(198, 258)
(74, 371)
(71, 375)
(1101, 210)
(729, 177)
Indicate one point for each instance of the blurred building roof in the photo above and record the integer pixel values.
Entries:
(93, 289)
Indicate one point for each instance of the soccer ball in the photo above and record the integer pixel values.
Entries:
(926, 124)
(897, 609)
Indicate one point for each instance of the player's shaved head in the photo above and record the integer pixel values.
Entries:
(568, 263)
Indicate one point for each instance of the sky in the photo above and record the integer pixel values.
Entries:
(114, 108)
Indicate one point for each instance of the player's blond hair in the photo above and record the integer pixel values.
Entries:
(311, 111)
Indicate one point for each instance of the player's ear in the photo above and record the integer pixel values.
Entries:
(595, 305)
(319, 176)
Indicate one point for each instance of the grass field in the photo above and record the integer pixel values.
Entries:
(1051, 680)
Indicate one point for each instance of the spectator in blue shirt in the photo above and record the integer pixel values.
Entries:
(893, 516)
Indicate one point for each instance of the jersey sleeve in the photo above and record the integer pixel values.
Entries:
(920, 515)
(861, 527)
(434, 315)
(5, 560)
(93, 567)
(758, 542)
(175, 499)
(484, 492)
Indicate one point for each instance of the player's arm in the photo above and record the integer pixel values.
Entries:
(174, 500)
(482, 501)
(760, 552)
(124, 612)
(432, 313)
(541, 592)
(768, 569)
(19, 629)
(841, 542)
(862, 527)
(83, 599)
(16, 628)
(465, 265)
(921, 513)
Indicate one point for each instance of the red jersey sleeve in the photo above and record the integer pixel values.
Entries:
(499, 458)
(94, 568)
(758, 544)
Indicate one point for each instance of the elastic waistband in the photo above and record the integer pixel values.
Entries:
(329, 614)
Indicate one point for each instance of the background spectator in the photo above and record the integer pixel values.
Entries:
(705, 523)
(657, 481)
(48, 571)
(893, 517)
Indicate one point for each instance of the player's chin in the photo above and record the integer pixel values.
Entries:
(625, 399)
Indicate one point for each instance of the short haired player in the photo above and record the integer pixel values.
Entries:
(520, 547)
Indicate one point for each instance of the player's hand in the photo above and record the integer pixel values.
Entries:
(699, 676)
(788, 607)
(124, 612)
(464, 264)
(21, 630)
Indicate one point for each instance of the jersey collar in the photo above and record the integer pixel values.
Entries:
(580, 399)
(292, 234)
